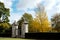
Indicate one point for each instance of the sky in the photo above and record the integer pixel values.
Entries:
(19, 7)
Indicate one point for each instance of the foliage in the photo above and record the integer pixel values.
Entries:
(34, 26)
(38, 24)
(42, 19)
(56, 21)
(5, 25)
(27, 17)
(20, 22)
(4, 14)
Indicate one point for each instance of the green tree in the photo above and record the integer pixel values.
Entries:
(56, 22)
(28, 17)
(4, 14)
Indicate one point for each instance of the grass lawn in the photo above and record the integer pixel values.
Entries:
(14, 39)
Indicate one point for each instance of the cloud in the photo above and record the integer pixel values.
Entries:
(24, 4)
(51, 6)
(31, 11)
(14, 17)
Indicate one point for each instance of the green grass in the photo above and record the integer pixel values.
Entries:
(14, 39)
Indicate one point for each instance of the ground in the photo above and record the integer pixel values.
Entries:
(14, 39)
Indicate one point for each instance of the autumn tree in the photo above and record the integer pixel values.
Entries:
(35, 26)
(42, 19)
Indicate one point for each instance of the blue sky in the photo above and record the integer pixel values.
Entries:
(19, 7)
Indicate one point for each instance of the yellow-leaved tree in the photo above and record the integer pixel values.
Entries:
(42, 19)
(35, 26)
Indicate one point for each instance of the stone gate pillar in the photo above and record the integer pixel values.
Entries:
(15, 29)
(24, 28)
